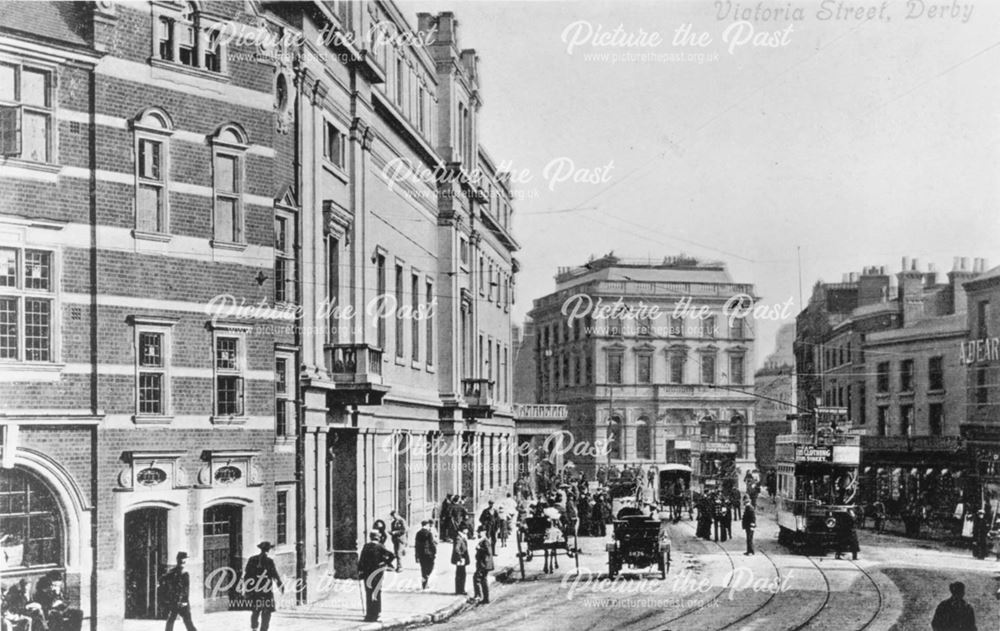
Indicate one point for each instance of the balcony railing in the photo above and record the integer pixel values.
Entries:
(539, 412)
(478, 393)
(358, 363)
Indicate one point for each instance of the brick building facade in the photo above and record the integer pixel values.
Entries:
(141, 186)
(195, 229)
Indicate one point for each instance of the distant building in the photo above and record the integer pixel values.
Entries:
(647, 386)
(539, 427)
(774, 385)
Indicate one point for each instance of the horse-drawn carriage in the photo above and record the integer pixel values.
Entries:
(675, 490)
(547, 534)
(640, 541)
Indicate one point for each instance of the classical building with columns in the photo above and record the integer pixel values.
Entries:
(650, 367)
(405, 274)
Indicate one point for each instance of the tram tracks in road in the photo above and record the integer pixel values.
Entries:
(729, 585)
(823, 607)
(880, 597)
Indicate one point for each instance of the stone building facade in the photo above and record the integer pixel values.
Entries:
(645, 387)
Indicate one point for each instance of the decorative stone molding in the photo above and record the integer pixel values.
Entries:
(152, 470)
(125, 477)
(337, 220)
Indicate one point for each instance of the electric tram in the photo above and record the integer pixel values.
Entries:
(817, 478)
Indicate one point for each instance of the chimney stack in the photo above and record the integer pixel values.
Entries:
(873, 285)
(911, 292)
(959, 274)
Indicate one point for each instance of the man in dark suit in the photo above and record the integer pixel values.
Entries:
(425, 549)
(447, 525)
(176, 586)
(749, 524)
(372, 564)
(484, 565)
(260, 577)
(488, 524)
(460, 559)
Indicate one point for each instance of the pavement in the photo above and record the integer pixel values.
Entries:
(404, 603)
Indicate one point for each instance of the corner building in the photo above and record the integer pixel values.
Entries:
(669, 389)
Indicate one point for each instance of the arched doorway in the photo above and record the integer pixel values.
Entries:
(223, 553)
(145, 561)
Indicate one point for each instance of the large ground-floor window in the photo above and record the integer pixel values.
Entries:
(31, 532)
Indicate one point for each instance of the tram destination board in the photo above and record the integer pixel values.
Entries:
(813, 453)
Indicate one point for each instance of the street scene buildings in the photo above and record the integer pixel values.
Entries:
(159, 183)
(661, 375)
(280, 341)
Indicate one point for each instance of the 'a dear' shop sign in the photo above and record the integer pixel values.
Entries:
(980, 351)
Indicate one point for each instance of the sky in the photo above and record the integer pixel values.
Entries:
(840, 142)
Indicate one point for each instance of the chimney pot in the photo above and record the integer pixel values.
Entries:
(965, 263)
(956, 264)
(905, 263)
(915, 265)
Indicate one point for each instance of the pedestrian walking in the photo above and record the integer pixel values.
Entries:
(599, 526)
(572, 515)
(980, 530)
(484, 565)
(447, 519)
(425, 549)
(954, 614)
(175, 586)
(736, 500)
(261, 576)
(749, 524)
(372, 564)
(488, 524)
(397, 530)
(460, 559)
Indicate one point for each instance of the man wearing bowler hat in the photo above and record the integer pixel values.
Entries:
(176, 586)
(260, 576)
(372, 563)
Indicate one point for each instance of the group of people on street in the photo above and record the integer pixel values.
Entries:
(260, 578)
(45, 610)
(376, 559)
(718, 510)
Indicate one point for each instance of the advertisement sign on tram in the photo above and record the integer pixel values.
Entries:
(813, 453)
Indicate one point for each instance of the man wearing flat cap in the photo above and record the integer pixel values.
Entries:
(260, 576)
(176, 586)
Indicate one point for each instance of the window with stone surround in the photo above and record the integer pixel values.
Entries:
(27, 304)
